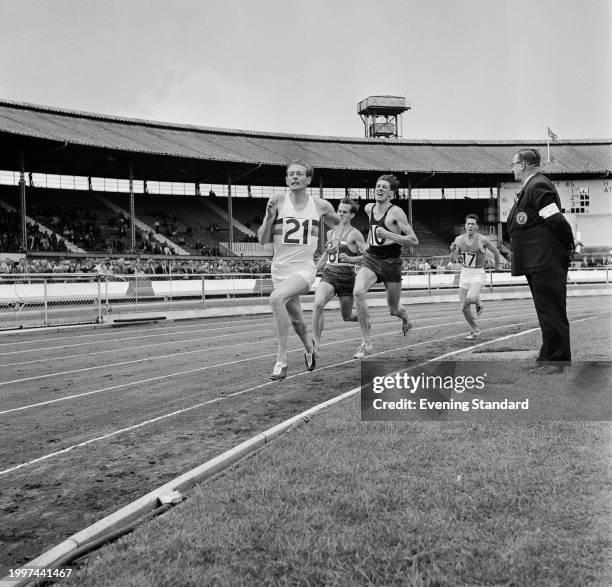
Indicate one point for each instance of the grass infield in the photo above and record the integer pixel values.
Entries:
(344, 502)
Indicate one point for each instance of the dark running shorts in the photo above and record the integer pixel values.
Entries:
(343, 281)
(387, 270)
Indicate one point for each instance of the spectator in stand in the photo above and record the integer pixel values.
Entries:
(424, 266)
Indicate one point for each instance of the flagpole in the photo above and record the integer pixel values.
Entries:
(548, 147)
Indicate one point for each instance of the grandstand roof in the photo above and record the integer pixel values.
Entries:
(79, 143)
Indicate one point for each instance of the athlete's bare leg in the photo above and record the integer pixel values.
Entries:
(394, 293)
(365, 279)
(283, 301)
(466, 304)
(346, 309)
(325, 292)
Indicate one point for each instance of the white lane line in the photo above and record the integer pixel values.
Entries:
(225, 325)
(133, 348)
(201, 350)
(205, 368)
(180, 373)
(207, 338)
(141, 360)
(181, 353)
(205, 328)
(233, 332)
(119, 339)
(201, 404)
(166, 328)
(241, 392)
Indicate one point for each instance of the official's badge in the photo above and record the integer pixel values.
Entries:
(521, 217)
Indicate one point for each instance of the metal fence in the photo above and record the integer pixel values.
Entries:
(35, 300)
(32, 300)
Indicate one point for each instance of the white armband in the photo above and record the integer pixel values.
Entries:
(549, 211)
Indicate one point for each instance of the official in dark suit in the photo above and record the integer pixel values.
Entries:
(542, 243)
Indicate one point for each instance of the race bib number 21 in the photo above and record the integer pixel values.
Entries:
(296, 231)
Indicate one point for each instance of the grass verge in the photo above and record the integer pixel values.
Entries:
(345, 502)
(387, 504)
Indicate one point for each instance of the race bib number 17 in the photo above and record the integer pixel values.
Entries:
(469, 259)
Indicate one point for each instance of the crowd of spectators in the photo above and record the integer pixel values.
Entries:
(221, 266)
(76, 225)
(207, 249)
(593, 261)
(82, 227)
(37, 239)
(121, 266)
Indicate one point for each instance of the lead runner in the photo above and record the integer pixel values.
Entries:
(292, 222)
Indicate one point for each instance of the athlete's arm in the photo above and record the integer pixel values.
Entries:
(454, 255)
(266, 230)
(406, 235)
(326, 211)
(323, 259)
(358, 241)
(487, 244)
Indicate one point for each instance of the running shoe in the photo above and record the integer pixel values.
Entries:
(362, 350)
(310, 360)
(315, 349)
(479, 308)
(279, 371)
(473, 335)
(406, 327)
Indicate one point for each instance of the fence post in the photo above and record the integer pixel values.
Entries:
(45, 295)
(429, 281)
(99, 299)
(108, 306)
(203, 291)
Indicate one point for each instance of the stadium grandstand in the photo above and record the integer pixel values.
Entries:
(76, 184)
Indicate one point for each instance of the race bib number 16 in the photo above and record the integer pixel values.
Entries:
(296, 231)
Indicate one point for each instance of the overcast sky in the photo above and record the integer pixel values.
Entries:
(472, 69)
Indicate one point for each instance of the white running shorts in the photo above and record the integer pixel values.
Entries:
(281, 272)
(470, 275)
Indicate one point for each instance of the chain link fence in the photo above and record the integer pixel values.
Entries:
(28, 301)
(35, 300)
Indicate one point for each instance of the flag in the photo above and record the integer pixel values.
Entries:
(552, 135)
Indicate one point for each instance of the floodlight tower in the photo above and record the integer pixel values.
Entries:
(382, 115)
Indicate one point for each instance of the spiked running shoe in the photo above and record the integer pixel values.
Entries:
(406, 327)
(315, 349)
(473, 335)
(279, 372)
(310, 360)
(362, 350)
